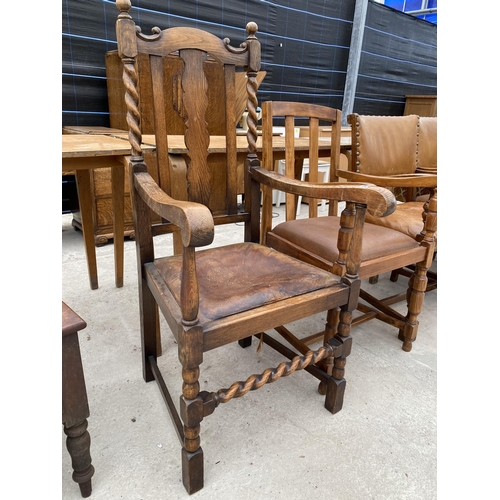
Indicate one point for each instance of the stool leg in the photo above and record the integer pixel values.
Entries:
(78, 445)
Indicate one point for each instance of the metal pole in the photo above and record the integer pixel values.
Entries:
(358, 28)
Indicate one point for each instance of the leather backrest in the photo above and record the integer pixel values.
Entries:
(427, 143)
(384, 145)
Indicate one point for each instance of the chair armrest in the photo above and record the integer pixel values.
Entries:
(194, 220)
(380, 202)
(402, 180)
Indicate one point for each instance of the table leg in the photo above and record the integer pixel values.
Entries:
(118, 182)
(87, 214)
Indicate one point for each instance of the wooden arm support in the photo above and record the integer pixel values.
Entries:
(380, 202)
(194, 220)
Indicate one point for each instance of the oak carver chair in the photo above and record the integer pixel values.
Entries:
(224, 294)
(406, 162)
(384, 249)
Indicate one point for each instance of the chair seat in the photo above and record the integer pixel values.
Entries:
(319, 235)
(407, 219)
(227, 287)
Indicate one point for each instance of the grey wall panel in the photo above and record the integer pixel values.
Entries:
(398, 58)
(305, 50)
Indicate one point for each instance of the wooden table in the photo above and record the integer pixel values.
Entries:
(82, 153)
(87, 148)
(217, 143)
(218, 146)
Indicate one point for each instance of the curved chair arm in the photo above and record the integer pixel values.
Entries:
(380, 202)
(194, 220)
(402, 180)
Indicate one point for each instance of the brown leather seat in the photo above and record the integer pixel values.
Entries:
(316, 238)
(269, 275)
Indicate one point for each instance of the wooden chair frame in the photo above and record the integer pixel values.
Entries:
(179, 285)
(293, 242)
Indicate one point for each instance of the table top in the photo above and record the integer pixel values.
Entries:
(92, 130)
(102, 141)
(71, 322)
(90, 145)
(217, 143)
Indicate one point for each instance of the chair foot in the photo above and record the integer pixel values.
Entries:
(192, 470)
(246, 342)
(407, 343)
(373, 280)
(335, 390)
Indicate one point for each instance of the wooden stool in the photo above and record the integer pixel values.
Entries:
(75, 408)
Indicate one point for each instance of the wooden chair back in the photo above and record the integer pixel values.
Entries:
(384, 145)
(294, 114)
(427, 144)
(172, 64)
(188, 95)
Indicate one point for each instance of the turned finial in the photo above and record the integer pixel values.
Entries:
(123, 5)
(252, 29)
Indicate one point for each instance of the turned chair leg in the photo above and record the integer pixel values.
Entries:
(192, 415)
(336, 384)
(332, 321)
(415, 300)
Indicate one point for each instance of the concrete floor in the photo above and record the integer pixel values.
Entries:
(278, 442)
